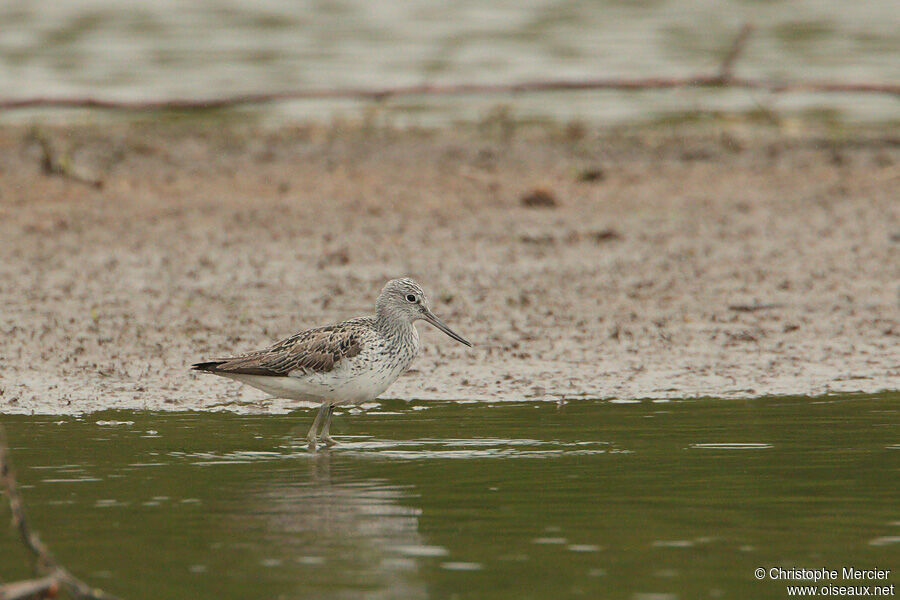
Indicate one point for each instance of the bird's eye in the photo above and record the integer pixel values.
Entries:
(410, 298)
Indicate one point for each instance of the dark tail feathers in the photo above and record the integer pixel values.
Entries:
(208, 367)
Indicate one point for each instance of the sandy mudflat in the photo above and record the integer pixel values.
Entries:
(730, 261)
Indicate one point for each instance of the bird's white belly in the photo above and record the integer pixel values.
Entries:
(279, 387)
(344, 385)
(359, 379)
(365, 386)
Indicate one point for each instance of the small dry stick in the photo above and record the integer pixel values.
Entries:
(57, 576)
(61, 165)
(753, 307)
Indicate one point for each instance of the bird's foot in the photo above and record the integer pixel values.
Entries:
(328, 441)
(312, 443)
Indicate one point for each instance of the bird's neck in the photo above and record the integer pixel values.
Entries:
(394, 328)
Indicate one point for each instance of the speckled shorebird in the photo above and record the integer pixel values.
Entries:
(347, 363)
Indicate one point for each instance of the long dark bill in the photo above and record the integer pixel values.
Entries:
(431, 318)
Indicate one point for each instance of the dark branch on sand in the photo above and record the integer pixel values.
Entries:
(558, 85)
(57, 577)
(753, 307)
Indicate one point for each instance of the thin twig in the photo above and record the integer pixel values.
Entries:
(43, 558)
(727, 64)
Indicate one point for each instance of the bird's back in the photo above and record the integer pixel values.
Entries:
(351, 361)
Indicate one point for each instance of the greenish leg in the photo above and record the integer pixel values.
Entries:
(311, 436)
(325, 437)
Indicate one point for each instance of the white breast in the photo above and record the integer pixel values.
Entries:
(367, 375)
(360, 378)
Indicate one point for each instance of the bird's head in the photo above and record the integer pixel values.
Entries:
(404, 300)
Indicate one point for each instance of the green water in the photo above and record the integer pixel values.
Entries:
(445, 500)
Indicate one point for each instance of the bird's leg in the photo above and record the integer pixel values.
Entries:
(311, 436)
(325, 437)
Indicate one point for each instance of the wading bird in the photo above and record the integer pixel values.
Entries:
(347, 363)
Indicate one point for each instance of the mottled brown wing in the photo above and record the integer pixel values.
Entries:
(316, 350)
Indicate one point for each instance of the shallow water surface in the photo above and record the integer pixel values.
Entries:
(447, 500)
(141, 50)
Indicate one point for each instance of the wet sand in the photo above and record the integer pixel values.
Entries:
(726, 261)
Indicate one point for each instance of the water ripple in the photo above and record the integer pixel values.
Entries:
(732, 446)
(412, 449)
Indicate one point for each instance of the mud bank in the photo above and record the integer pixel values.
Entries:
(730, 262)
